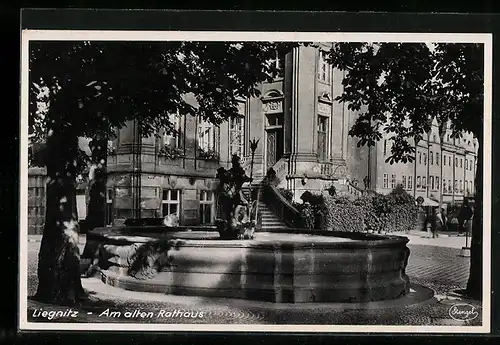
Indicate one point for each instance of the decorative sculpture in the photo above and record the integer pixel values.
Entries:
(238, 216)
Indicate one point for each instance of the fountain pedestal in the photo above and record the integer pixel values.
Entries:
(310, 266)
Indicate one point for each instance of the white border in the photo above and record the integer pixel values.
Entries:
(58, 35)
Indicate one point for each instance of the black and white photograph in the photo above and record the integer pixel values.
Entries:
(255, 181)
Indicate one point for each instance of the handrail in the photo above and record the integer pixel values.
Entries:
(357, 191)
(283, 209)
(280, 168)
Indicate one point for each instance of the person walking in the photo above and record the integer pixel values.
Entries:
(464, 216)
(436, 222)
(444, 218)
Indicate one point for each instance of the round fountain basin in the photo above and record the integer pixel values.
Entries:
(286, 266)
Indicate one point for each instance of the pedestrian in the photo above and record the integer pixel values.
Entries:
(436, 222)
(464, 215)
(444, 218)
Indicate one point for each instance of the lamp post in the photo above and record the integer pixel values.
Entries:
(253, 148)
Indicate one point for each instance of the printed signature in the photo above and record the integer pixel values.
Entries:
(463, 312)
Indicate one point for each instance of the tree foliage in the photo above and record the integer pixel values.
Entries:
(105, 84)
(399, 88)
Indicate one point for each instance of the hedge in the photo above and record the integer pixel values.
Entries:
(395, 212)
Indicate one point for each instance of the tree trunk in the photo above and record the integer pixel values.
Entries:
(59, 257)
(475, 282)
(96, 216)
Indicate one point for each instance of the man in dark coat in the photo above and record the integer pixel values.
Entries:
(464, 215)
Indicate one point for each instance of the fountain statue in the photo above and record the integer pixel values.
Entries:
(238, 215)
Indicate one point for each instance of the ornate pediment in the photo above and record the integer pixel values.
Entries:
(325, 104)
(325, 97)
(272, 102)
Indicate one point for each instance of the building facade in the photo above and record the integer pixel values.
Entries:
(303, 136)
(446, 170)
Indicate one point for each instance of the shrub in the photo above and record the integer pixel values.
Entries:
(400, 196)
(332, 191)
(307, 216)
(287, 194)
(342, 214)
(313, 199)
(390, 213)
(170, 152)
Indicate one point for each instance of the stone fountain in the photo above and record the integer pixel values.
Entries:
(285, 266)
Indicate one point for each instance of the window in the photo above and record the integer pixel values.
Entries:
(431, 178)
(393, 181)
(419, 185)
(236, 136)
(410, 182)
(455, 185)
(434, 138)
(437, 158)
(424, 184)
(437, 182)
(403, 181)
(449, 160)
(471, 187)
(322, 137)
(460, 186)
(449, 186)
(448, 138)
(206, 136)
(420, 158)
(386, 181)
(444, 185)
(471, 166)
(325, 69)
(466, 164)
(206, 207)
(431, 158)
(385, 147)
(279, 63)
(425, 159)
(109, 207)
(461, 162)
(173, 138)
(170, 202)
(456, 162)
(444, 160)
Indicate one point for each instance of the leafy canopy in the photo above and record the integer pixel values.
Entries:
(95, 87)
(399, 88)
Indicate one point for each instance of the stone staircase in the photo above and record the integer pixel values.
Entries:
(270, 220)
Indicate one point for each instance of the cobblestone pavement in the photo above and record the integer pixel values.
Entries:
(431, 264)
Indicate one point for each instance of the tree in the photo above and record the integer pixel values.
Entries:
(399, 88)
(88, 89)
